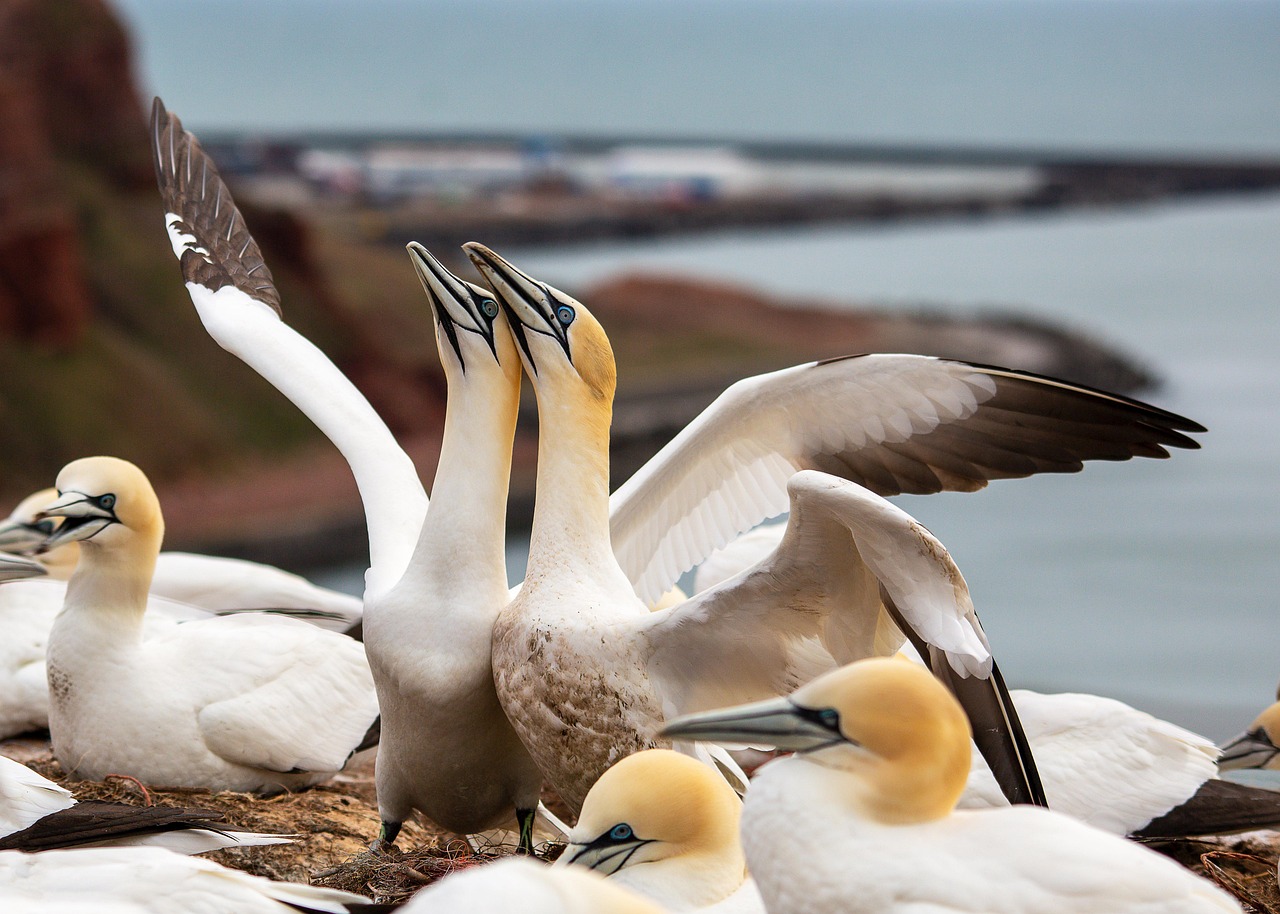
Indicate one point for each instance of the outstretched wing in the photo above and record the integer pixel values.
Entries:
(239, 306)
(892, 423)
(853, 574)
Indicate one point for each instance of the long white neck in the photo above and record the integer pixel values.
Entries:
(571, 515)
(467, 519)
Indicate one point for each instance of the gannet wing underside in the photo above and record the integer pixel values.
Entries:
(856, 573)
(275, 682)
(892, 423)
(238, 304)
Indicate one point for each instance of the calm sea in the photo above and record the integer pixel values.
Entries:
(1150, 581)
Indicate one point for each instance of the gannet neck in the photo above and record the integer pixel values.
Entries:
(468, 501)
(113, 583)
(571, 516)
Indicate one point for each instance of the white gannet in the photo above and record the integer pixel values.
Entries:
(1100, 760)
(250, 702)
(210, 582)
(666, 826)
(437, 579)
(149, 880)
(882, 755)
(37, 814)
(516, 884)
(1256, 747)
(586, 673)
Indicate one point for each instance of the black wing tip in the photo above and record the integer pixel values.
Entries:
(1218, 808)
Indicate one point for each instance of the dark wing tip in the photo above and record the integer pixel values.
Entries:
(224, 253)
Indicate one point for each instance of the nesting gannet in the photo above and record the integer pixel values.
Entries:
(149, 880)
(1100, 760)
(1256, 747)
(882, 755)
(586, 673)
(514, 884)
(666, 826)
(37, 814)
(211, 582)
(437, 579)
(245, 702)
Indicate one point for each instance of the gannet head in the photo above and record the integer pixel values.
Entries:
(105, 502)
(891, 726)
(558, 337)
(24, 533)
(659, 805)
(1257, 747)
(471, 332)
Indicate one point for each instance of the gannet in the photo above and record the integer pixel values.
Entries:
(515, 884)
(211, 582)
(38, 814)
(1257, 746)
(1100, 760)
(882, 755)
(437, 579)
(149, 880)
(586, 673)
(666, 826)
(248, 702)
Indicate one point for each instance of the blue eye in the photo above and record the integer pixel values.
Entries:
(565, 315)
(489, 307)
(107, 501)
(620, 832)
(830, 717)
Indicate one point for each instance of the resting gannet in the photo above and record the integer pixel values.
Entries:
(37, 814)
(666, 826)
(1100, 760)
(249, 702)
(586, 673)
(210, 582)
(149, 880)
(514, 884)
(882, 755)
(437, 579)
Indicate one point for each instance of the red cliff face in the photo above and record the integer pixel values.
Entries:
(66, 97)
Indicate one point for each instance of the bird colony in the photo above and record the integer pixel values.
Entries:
(904, 775)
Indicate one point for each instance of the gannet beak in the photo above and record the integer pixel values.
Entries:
(458, 305)
(531, 304)
(606, 854)
(86, 516)
(778, 722)
(25, 536)
(17, 567)
(1253, 749)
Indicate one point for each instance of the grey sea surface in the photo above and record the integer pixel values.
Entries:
(1153, 582)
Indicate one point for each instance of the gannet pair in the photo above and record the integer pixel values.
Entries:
(1100, 760)
(666, 826)
(37, 814)
(210, 582)
(245, 702)
(587, 674)
(862, 817)
(436, 579)
(149, 880)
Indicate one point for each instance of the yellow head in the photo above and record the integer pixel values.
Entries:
(106, 503)
(1257, 747)
(657, 805)
(891, 726)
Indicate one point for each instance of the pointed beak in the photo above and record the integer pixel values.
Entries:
(85, 518)
(458, 305)
(17, 567)
(1253, 749)
(603, 855)
(528, 302)
(778, 722)
(25, 536)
